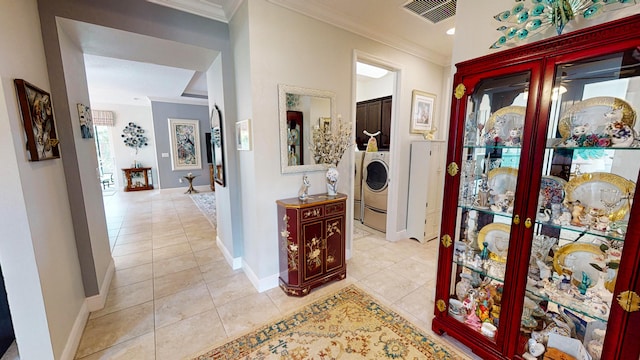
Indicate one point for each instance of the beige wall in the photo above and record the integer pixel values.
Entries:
(289, 48)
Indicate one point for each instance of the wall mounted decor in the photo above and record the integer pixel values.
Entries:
(86, 121)
(37, 116)
(134, 136)
(243, 135)
(422, 107)
(532, 20)
(185, 144)
(217, 141)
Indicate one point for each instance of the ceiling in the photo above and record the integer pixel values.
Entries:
(125, 68)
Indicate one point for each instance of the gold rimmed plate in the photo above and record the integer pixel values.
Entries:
(586, 189)
(503, 179)
(575, 259)
(595, 113)
(496, 235)
(503, 120)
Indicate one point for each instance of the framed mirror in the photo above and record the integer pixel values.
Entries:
(300, 111)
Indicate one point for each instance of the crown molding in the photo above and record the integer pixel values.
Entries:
(205, 8)
(328, 15)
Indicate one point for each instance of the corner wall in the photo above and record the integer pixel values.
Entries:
(38, 252)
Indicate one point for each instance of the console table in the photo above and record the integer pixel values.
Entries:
(138, 179)
(312, 242)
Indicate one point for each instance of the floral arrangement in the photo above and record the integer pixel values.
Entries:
(134, 136)
(328, 146)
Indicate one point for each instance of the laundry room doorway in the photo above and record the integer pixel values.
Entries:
(374, 90)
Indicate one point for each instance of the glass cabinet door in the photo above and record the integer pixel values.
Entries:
(493, 133)
(590, 165)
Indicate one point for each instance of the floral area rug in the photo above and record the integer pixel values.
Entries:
(346, 325)
(206, 202)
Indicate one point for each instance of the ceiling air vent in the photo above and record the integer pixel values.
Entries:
(433, 10)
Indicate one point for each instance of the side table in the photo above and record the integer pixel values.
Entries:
(191, 190)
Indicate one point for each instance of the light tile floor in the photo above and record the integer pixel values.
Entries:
(173, 294)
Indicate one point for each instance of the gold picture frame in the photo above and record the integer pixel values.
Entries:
(422, 112)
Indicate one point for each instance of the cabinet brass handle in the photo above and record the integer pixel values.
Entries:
(629, 301)
(460, 90)
(528, 223)
(516, 219)
(446, 241)
(452, 169)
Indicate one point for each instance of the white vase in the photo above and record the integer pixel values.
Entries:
(332, 181)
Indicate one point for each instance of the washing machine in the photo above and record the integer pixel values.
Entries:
(375, 189)
(357, 187)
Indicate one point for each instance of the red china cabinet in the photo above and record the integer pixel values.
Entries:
(539, 252)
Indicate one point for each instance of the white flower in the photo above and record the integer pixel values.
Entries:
(328, 146)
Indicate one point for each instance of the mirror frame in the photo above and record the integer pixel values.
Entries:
(283, 90)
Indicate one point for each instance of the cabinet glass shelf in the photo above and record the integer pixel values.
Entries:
(482, 272)
(571, 304)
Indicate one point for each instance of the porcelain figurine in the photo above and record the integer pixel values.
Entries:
(577, 211)
(584, 283)
(514, 138)
(463, 286)
(303, 193)
(484, 191)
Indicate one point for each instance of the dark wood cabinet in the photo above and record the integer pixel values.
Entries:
(137, 179)
(374, 115)
(312, 242)
(212, 180)
(540, 243)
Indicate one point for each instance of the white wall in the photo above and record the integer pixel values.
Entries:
(369, 88)
(124, 156)
(288, 48)
(38, 254)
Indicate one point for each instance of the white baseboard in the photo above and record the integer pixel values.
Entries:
(90, 304)
(235, 263)
(260, 284)
(73, 340)
(96, 302)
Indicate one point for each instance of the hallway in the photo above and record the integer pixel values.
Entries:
(174, 295)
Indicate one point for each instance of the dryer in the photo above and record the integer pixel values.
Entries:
(375, 189)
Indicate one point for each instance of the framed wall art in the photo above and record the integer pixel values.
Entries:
(39, 126)
(185, 144)
(86, 121)
(217, 143)
(243, 135)
(422, 111)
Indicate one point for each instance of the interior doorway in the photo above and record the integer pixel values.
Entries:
(375, 97)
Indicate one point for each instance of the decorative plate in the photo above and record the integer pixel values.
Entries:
(594, 114)
(503, 179)
(551, 191)
(496, 235)
(574, 259)
(504, 126)
(586, 188)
